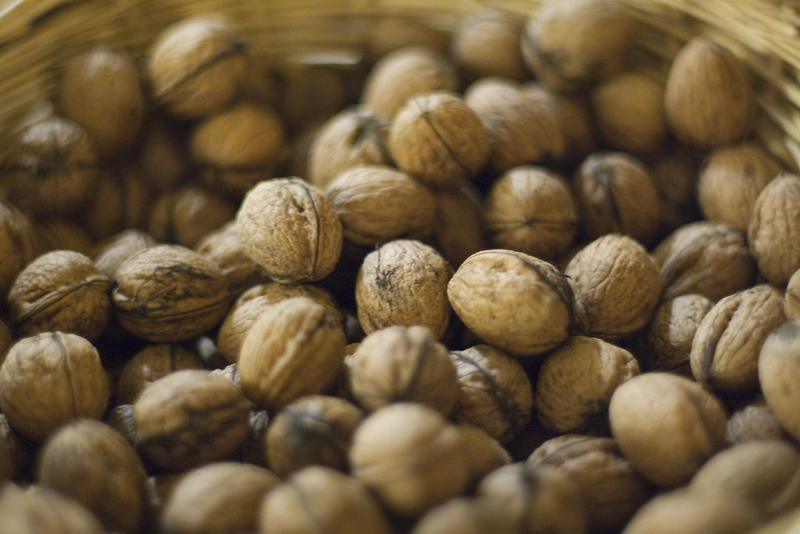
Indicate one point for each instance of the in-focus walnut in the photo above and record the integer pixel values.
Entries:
(169, 294)
(671, 331)
(75, 463)
(730, 181)
(567, 45)
(539, 499)
(707, 258)
(220, 498)
(484, 453)
(531, 210)
(294, 348)
(791, 303)
(609, 485)
(313, 430)
(615, 193)
(52, 168)
(112, 252)
(119, 202)
(486, 43)
(15, 456)
(60, 290)
(38, 510)
(237, 146)
(161, 158)
(61, 234)
(355, 136)
(494, 392)
(403, 282)
(778, 372)
(321, 499)
(150, 364)
(464, 516)
(753, 422)
(392, 32)
(186, 215)
(674, 174)
(255, 300)
(101, 90)
(513, 301)
(709, 99)
(576, 382)
(49, 379)
(725, 348)
(289, 228)
(616, 286)
(403, 364)
(189, 418)
(774, 229)
(458, 230)
(522, 126)
(197, 65)
(411, 457)
(629, 110)
(667, 426)
(224, 248)
(574, 120)
(403, 74)
(17, 244)
(438, 139)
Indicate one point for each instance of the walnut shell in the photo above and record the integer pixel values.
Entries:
(484, 453)
(486, 43)
(289, 228)
(671, 331)
(168, 294)
(112, 252)
(574, 119)
(186, 215)
(150, 364)
(778, 371)
(15, 454)
(791, 303)
(61, 234)
(161, 158)
(17, 244)
(464, 515)
(675, 174)
(458, 230)
(754, 422)
(223, 247)
(118, 202)
(37, 510)
(774, 227)
(61, 290)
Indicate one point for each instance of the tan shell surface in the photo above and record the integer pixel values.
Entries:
(774, 227)
(778, 369)
(672, 329)
(150, 364)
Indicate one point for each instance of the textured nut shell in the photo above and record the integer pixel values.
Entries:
(672, 329)
(611, 488)
(708, 100)
(17, 244)
(410, 457)
(113, 252)
(186, 215)
(37, 510)
(74, 463)
(438, 139)
(220, 498)
(290, 229)
(60, 290)
(403, 364)
(169, 293)
(531, 210)
(667, 426)
(774, 229)
(150, 364)
(513, 301)
(576, 382)
(458, 230)
(778, 372)
(755, 421)
(49, 379)
(616, 286)
(224, 248)
(791, 303)
(486, 43)
(189, 418)
(725, 347)
(294, 348)
(403, 282)
(494, 392)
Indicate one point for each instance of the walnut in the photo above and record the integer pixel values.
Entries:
(49, 379)
(74, 462)
(574, 119)
(197, 65)
(615, 193)
(392, 32)
(189, 418)
(294, 348)
(236, 147)
(101, 90)
(494, 393)
(725, 347)
(319, 498)
(186, 215)
(37, 510)
(513, 301)
(778, 369)
(313, 430)
(773, 228)
(486, 43)
(567, 45)
(223, 498)
(484, 453)
(315, 89)
(609, 485)
(61, 234)
(403, 364)
(576, 382)
(112, 252)
(531, 210)
(791, 303)
(223, 247)
(438, 139)
(17, 244)
(410, 457)
(161, 158)
(667, 426)
(669, 334)
(709, 99)
(403, 74)
(15, 455)
(120, 418)
(730, 181)
(150, 364)
(457, 229)
(707, 258)
(753, 422)
(60, 290)
(464, 516)
(253, 449)
(289, 228)
(403, 282)
(119, 202)
(616, 286)
(674, 174)
(168, 294)
(522, 126)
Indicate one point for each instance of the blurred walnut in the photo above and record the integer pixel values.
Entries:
(15, 455)
(314, 90)
(674, 174)
(112, 252)
(161, 158)
(484, 453)
(486, 43)
(574, 119)
(150, 364)
(457, 228)
(17, 244)
(778, 372)
(38, 510)
(186, 215)
(464, 516)
(119, 202)
(774, 229)
(392, 32)
(791, 303)
(753, 422)
(223, 247)
(61, 234)
(120, 418)
(669, 334)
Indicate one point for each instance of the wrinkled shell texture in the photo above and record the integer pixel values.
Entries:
(774, 228)
(672, 329)
(778, 372)
(150, 364)
(224, 248)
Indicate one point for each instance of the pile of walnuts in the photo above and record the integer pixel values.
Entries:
(497, 280)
